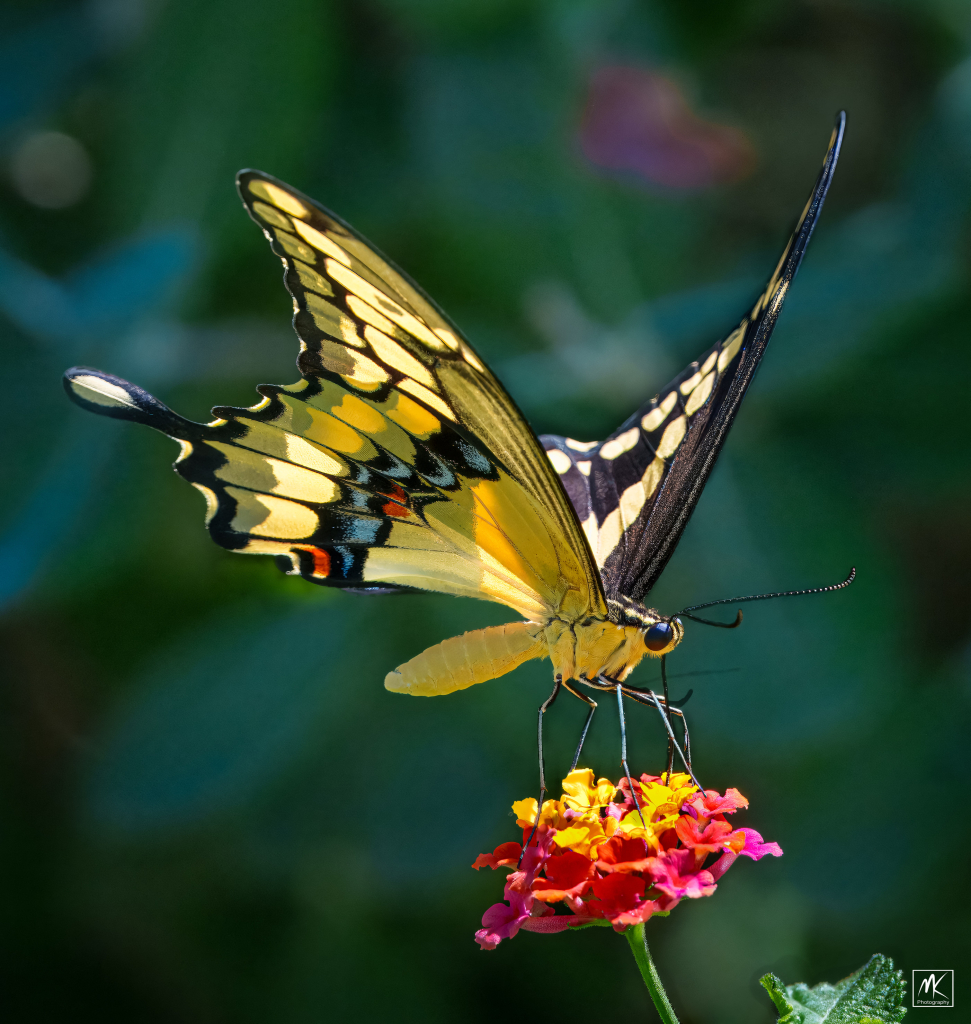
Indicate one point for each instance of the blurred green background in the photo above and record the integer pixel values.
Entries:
(211, 810)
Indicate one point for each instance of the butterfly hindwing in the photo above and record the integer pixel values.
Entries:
(635, 492)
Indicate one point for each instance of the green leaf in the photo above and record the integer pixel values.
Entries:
(873, 995)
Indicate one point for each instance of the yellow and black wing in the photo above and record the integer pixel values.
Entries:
(397, 461)
(635, 492)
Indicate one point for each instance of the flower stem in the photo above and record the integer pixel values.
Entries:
(642, 954)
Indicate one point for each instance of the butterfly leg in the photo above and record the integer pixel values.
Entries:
(648, 697)
(684, 726)
(667, 704)
(623, 750)
(543, 708)
(662, 710)
(586, 724)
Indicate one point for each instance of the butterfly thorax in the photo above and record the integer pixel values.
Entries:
(597, 646)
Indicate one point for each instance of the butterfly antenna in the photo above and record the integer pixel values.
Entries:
(758, 597)
(721, 625)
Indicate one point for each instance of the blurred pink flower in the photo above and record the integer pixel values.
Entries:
(637, 120)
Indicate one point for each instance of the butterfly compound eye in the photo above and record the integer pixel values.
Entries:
(658, 636)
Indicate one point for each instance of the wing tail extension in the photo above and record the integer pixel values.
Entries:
(108, 395)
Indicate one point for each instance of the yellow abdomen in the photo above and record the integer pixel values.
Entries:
(598, 647)
(465, 660)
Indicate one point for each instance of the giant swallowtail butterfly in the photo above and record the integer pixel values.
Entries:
(399, 462)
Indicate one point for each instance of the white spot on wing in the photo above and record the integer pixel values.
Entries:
(700, 395)
(634, 498)
(590, 531)
(672, 437)
(560, 460)
(629, 507)
(100, 392)
(608, 536)
(580, 446)
(620, 444)
(656, 417)
(730, 349)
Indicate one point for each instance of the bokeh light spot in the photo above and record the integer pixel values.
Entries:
(51, 170)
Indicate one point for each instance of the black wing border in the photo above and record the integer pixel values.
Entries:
(697, 455)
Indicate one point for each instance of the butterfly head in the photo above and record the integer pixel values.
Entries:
(663, 636)
(661, 633)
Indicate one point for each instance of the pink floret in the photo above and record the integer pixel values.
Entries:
(754, 848)
(502, 921)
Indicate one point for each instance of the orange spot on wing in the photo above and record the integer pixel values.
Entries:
(398, 506)
(321, 562)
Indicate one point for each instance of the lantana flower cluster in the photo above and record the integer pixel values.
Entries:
(595, 858)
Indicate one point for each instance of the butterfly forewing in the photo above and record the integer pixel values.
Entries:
(635, 492)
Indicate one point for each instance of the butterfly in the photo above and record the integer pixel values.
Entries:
(399, 462)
